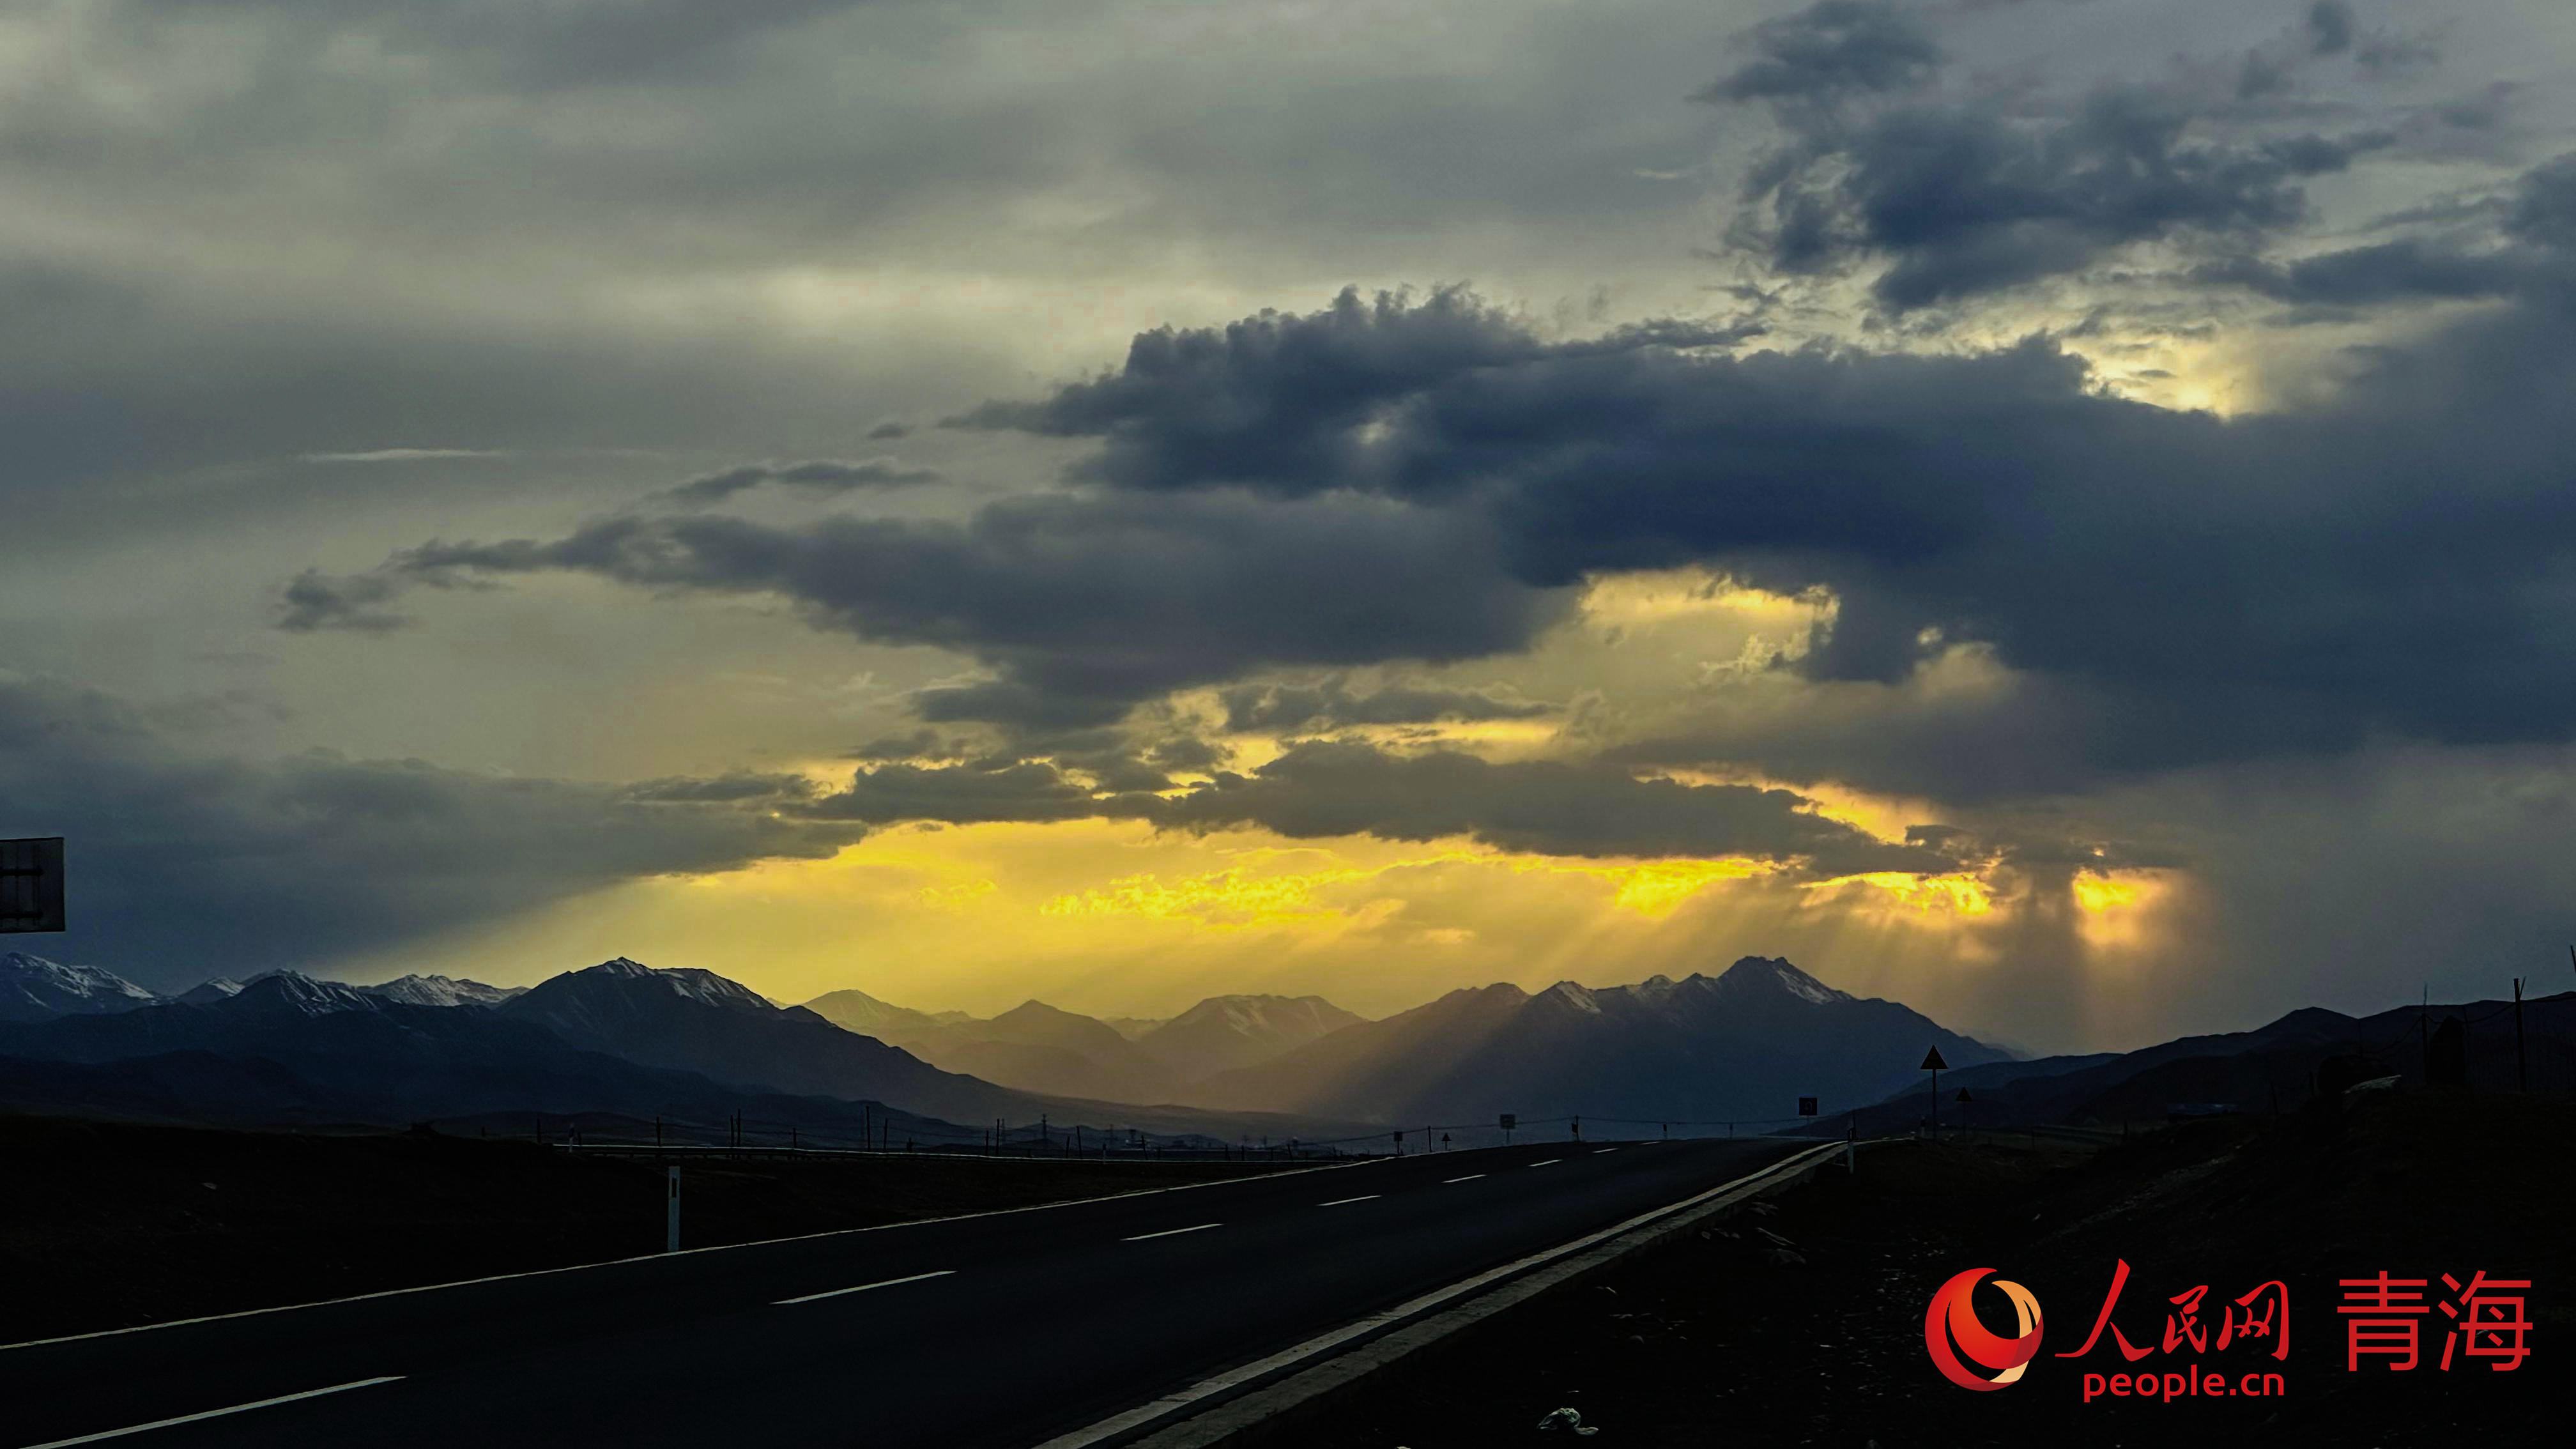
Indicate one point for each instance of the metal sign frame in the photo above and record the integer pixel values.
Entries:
(31, 884)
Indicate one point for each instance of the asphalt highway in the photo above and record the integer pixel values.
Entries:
(996, 1330)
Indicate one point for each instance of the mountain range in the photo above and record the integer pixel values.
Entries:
(1739, 1046)
(1039, 1048)
(626, 1039)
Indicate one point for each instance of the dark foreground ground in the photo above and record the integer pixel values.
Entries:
(1735, 1337)
(106, 1225)
(993, 1331)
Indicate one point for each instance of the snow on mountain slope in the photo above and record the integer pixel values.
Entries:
(294, 993)
(441, 991)
(207, 993)
(35, 989)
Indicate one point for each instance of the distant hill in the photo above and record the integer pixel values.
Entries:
(2272, 1068)
(1226, 1033)
(1040, 1048)
(1743, 1045)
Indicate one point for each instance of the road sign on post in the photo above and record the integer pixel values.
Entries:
(1806, 1106)
(31, 884)
(1510, 1121)
(1932, 1063)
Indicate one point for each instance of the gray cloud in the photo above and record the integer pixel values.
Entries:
(1967, 193)
(187, 865)
(1331, 704)
(1830, 48)
(552, 43)
(316, 600)
(821, 475)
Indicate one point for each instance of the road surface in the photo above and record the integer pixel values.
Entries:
(996, 1330)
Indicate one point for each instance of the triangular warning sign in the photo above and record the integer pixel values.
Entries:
(1963, 1096)
(1932, 1062)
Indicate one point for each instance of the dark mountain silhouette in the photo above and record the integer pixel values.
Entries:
(2274, 1067)
(290, 1046)
(1740, 1046)
(698, 1021)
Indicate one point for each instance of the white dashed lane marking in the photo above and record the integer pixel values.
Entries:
(1470, 1177)
(1171, 1232)
(1363, 1197)
(863, 1287)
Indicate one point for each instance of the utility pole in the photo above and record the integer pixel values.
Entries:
(671, 1222)
(2521, 1063)
(2423, 1033)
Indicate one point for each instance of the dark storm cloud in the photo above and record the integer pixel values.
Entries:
(2533, 252)
(1286, 708)
(1284, 401)
(1327, 789)
(822, 475)
(1387, 481)
(1830, 48)
(2195, 588)
(1085, 605)
(186, 866)
(1975, 190)
(1020, 790)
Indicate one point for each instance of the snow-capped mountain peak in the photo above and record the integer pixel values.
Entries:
(1770, 973)
(1569, 994)
(293, 991)
(690, 982)
(207, 993)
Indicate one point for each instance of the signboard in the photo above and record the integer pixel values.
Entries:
(1510, 1121)
(1806, 1106)
(31, 884)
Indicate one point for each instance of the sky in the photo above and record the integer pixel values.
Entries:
(2053, 511)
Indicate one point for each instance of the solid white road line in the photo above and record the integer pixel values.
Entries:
(1470, 1177)
(1169, 1232)
(1547, 1162)
(864, 1287)
(1597, 1151)
(216, 1413)
(1186, 1400)
(1363, 1197)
